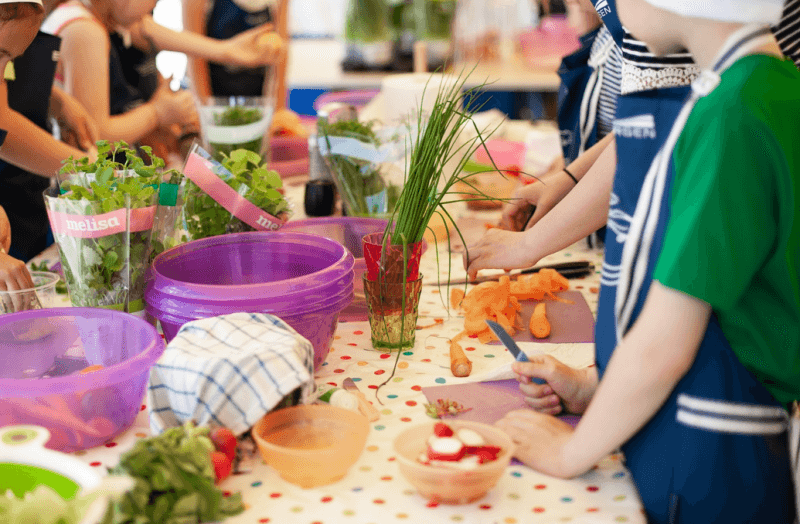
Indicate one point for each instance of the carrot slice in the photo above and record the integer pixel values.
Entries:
(456, 297)
(486, 336)
(539, 325)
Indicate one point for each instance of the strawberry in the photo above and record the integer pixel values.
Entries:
(225, 441)
(222, 465)
(440, 429)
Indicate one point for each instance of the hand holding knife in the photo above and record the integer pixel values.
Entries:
(512, 346)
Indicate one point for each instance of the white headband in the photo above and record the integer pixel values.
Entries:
(742, 11)
(21, 2)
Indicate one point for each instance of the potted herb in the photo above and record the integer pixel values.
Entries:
(444, 144)
(433, 20)
(360, 166)
(102, 218)
(239, 194)
(235, 123)
(366, 29)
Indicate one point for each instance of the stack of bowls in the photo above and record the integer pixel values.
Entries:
(79, 372)
(304, 279)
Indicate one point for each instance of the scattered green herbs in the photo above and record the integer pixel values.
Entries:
(174, 481)
(244, 172)
(361, 183)
(61, 286)
(237, 116)
(107, 271)
(443, 407)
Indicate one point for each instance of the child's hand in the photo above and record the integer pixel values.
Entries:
(543, 194)
(286, 122)
(77, 127)
(566, 388)
(175, 107)
(255, 47)
(540, 441)
(497, 249)
(5, 231)
(14, 276)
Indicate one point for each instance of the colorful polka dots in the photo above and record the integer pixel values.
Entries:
(440, 380)
(255, 484)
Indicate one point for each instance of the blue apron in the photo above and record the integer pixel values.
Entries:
(21, 195)
(684, 471)
(607, 9)
(123, 95)
(575, 73)
(225, 21)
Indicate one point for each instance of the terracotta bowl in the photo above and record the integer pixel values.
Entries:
(311, 445)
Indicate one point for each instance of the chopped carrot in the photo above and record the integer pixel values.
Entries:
(460, 365)
(539, 325)
(456, 296)
(91, 369)
(487, 336)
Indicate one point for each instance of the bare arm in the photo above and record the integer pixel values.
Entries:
(655, 354)
(282, 25)
(194, 20)
(29, 146)
(84, 56)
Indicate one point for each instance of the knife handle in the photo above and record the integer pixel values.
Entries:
(524, 358)
(367, 409)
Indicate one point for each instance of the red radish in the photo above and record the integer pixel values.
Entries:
(445, 448)
(222, 465)
(440, 429)
(225, 441)
(486, 453)
(470, 437)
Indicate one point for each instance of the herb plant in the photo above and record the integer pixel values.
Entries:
(367, 21)
(237, 116)
(245, 172)
(106, 270)
(363, 187)
(174, 481)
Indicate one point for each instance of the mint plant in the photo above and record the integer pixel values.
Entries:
(232, 117)
(104, 254)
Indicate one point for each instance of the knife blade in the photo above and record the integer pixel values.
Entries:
(367, 409)
(574, 269)
(512, 346)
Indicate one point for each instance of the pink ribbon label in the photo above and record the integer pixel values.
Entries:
(95, 226)
(199, 171)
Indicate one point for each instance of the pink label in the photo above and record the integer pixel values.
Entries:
(199, 171)
(95, 226)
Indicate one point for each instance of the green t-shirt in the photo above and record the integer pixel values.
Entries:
(733, 236)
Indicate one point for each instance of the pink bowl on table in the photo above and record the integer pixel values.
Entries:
(289, 155)
(42, 354)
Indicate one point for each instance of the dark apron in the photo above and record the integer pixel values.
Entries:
(225, 21)
(575, 73)
(21, 194)
(607, 9)
(138, 68)
(123, 95)
(684, 472)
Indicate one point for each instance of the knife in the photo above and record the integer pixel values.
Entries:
(512, 346)
(578, 268)
(367, 409)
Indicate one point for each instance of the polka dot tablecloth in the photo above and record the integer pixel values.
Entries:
(374, 491)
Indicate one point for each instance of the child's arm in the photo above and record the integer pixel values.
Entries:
(655, 354)
(77, 127)
(27, 145)
(580, 213)
(552, 188)
(251, 48)
(13, 273)
(194, 20)
(84, 57)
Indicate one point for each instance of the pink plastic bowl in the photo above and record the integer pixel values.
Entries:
(80, 410)
(306, 280)
(289, 155)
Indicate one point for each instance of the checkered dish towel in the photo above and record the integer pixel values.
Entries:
(230, 370)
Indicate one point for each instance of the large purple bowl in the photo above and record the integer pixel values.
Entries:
(290, 275)
(42, 354)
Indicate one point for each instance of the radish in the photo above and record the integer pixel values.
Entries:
(470, 437)
(445, 448)
(440, 429)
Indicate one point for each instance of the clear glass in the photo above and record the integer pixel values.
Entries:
(393, 310)
(41, 295)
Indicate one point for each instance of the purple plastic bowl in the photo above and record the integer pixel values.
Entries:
(80, 410)
(316, 325)
(289, 275)
(249, 268)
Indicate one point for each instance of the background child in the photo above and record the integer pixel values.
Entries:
(699, 329)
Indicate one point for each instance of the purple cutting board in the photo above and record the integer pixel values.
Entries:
(569, 323)
(489, 401)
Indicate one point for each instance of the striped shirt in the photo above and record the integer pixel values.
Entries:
(610, 88)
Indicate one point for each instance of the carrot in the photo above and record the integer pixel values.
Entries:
(90, 369)
(460, 365)
(539, 325)
(456, 297)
